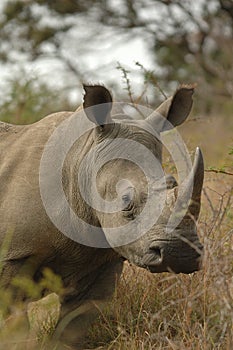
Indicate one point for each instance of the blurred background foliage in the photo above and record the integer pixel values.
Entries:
(28, 99)
(49, 48)
(186, 41)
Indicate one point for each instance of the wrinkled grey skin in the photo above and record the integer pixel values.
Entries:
(90, 273)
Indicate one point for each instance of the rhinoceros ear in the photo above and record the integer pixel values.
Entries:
(175, 109)
(181, 105)
(97, 104)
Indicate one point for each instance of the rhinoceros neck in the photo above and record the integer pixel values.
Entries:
(71, 181)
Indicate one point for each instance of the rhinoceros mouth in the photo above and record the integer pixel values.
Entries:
(176, 257)
(176, 270)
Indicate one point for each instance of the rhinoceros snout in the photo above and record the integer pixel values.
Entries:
(177, 257)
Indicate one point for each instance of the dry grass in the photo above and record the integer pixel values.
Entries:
(214, 134)
(177, 311)
(183, 312)
(164, 311)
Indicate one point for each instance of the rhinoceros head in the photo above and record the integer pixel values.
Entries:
(146, 217)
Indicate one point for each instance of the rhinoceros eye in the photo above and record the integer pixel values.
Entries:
(127, 201)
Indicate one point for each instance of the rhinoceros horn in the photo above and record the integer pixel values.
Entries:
(197, 178)
(189, 196)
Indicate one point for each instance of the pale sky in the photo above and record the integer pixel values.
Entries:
(109, 48)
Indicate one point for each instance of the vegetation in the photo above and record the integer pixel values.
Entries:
(157, 311)
(187, 43)
(28, 100)
(148, 311)
(177, 312)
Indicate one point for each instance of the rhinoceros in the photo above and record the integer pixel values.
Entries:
(89, 270)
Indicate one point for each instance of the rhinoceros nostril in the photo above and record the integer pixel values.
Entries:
(176, 256)
(157, 253)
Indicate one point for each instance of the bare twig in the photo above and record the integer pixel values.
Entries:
(151, 78)
(125, 73)
(218, 171)
(209, 201)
